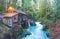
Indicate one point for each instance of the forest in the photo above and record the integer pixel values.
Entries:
(45, 11)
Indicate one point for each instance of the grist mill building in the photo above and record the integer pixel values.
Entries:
(12, 16)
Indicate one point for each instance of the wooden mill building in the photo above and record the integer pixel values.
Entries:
(12, 16)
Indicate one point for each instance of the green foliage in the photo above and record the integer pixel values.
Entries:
(1, 31)
(19, 32)
(47, 12)
(2, 25)
(28, 33)
(4, 4)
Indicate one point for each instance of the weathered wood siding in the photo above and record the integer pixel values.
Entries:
(7, 21)
(22, 17)
(15, 18)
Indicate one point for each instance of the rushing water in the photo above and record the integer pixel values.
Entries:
(37, 32)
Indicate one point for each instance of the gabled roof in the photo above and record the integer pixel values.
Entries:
(9, 14)
(19, 11)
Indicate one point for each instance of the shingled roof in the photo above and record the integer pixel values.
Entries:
(19, 11)
(9, 14)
